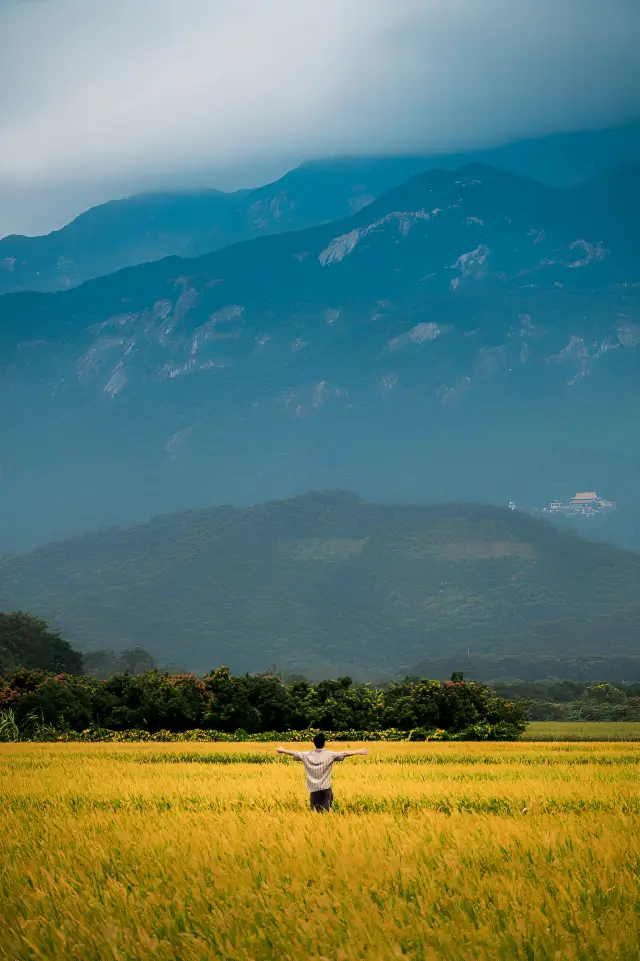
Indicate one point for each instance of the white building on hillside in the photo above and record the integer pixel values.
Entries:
(586, 502)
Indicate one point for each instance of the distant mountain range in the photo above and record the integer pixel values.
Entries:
(470, 334)
(189, 223)
(150, 226)
(327, 583)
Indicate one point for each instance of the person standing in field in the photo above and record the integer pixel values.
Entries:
(317, 765)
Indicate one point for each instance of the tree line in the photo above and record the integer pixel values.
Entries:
(43, 678)
(561, 699)
(155, 701)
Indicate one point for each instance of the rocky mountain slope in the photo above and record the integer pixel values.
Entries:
(328, 583)
(150, 226)
(468, 335)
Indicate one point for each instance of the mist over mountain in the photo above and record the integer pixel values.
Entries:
(469, 335)
(191, 222)
(150, 226)
(328, 583)
(108, 98)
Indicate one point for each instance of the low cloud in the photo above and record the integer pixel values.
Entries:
(108, 92)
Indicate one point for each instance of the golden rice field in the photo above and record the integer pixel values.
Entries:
(434, 851)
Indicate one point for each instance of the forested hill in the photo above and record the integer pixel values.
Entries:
(327, 583)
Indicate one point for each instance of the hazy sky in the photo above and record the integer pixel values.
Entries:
(101, 97)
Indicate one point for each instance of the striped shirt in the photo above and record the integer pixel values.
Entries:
(318, 764)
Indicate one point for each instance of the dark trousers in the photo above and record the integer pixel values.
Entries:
(321, 800)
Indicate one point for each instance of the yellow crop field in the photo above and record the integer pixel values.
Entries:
(433, 851)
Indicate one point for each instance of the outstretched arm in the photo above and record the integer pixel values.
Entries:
(362, 750)
(283, 750)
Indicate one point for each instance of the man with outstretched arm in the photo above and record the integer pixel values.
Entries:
(318, 764)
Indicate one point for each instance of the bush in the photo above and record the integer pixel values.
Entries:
(93, 734)
(418, 734)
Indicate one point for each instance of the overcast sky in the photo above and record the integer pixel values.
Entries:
(99, 98)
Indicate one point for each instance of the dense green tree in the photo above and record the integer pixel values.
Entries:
(61, 700)
(232, 706)
(604, 694)
(335, 705)
(452, 706)
(152, 701)
(27, 641)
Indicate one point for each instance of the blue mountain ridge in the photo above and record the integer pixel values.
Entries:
(470, 334)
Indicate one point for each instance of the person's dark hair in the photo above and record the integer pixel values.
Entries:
(319, 740)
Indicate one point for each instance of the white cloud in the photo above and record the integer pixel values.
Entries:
(96, 91)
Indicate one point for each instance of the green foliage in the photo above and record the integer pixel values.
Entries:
(31, 728)
(604, 694)
(105, 663)
(9, 730)
(454, 706)
(628, 709)
(478, 732)
(60, 700)
(153, 700)
(245, 703)
(222, 705)
(561, 700)
(26, 641)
